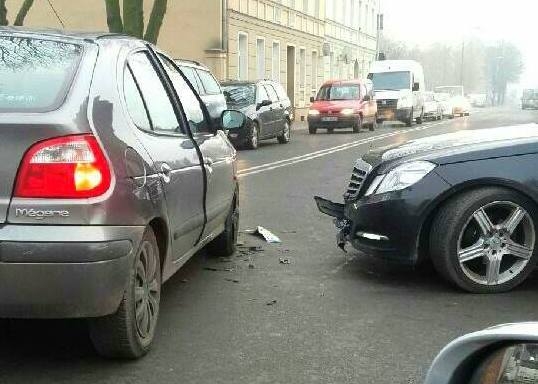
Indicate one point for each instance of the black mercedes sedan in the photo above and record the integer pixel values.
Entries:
(468, 200)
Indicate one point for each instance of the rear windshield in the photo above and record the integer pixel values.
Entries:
(240, 94)
(35, 74)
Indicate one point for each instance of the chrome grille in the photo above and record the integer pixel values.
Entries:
(360, 171)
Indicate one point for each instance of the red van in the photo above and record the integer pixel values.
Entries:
(343, 104)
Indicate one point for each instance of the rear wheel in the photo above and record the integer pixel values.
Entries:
(409, 121)
(373, 125)
(420, 118)
(358, 125)
(130, 331)
(285, 136)
(253, 136)
(330, 130)
(312, 130)
(483, 241)
(225, 244)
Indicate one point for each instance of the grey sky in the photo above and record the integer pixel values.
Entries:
(425, 21)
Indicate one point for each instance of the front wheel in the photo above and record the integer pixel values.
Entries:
(373, 125)
(224, 245)
(483, 241)
(253, 136)
(358, 125)
(409, 121)
(285, 136)
(420, 118)
(129, 332)
(312, 130)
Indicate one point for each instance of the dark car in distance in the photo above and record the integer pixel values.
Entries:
(468, 200)
(112, 176)
(268, 110)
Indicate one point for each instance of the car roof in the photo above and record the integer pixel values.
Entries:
(191, 63)
(248, 82)
(65, 35)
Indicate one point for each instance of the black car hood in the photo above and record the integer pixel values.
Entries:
(459, 146)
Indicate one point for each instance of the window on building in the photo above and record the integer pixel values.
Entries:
(260, 58)
(316, 9)
(305, 6)
(314, 74)
(302, 68)
(277, 15)
(275, 63)
(242, 57)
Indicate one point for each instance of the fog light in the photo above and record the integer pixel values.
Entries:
(372, 236)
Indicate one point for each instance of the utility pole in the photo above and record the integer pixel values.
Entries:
(380, 27)
(462, 59)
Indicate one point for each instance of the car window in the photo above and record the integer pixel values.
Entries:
(272, 93)
(282, 95)
(240, 94)
(158, 104)
(208, 81)
(189, 101)
(261, 94)
(35, 74)
(191, 75)
(135, 103)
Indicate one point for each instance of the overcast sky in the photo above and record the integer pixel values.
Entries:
(425, 21)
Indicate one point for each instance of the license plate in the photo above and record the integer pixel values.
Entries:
(329, 118)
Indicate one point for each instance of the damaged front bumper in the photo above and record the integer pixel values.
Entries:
(343, 225)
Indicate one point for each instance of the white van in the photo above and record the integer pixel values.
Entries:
(398, 86)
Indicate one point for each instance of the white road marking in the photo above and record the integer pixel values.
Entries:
(324, 152)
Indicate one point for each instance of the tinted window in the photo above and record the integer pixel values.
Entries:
(272, 93)
(191, 105)
(35, 75)
(135, 104)
(192, 77)
(208, 81)
(262, 94)
(159, 105)
(240, 94)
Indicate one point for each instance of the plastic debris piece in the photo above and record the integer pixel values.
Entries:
(284, 261)
(232, 280)
(270, 237)
(272, 302)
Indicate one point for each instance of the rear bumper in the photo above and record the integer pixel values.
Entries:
(64, 272)
(340, 122)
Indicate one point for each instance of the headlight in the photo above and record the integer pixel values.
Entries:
(401, 177)
(313, 112)
(347, 111)
(405, 102)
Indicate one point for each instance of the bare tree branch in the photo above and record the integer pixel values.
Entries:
(113, 16)
(155, 21)
(3, 13)
(23, 11)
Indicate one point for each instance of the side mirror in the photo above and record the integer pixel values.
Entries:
(312, 99)
(500, 354)
(416, 87)
(366, 98)
(231, 120)
(264, 103)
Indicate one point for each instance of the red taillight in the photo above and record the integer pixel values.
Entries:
(67, 167)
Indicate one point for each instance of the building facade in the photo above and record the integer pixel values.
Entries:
(299, 43)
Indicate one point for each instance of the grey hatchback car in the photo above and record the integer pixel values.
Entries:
(111, 177)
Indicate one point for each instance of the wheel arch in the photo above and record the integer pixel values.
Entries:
(161, 231)
(422, 246)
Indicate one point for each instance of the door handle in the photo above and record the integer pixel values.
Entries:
(166, 172)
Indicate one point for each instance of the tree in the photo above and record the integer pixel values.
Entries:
(132, 21)
(21, 14)
(504, 64)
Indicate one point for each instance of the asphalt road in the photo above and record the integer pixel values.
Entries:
(332, 318)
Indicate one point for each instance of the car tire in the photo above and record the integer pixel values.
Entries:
(125, 334)
(373, 125)
(312, 130)
(225, 244)
(285, 137)
(458, 222)
(253, 136)
(409, 121)
(420, 119)
(330, 131)
(358, 125)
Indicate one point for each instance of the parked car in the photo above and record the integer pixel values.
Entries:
(444, 101)
(267, 107)
(106, 155)
(206, 85)
(398, 86)
(432, 108)
(459, 103)
(343, 104)
(468, 200)
(529, 100)
(501, 354)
